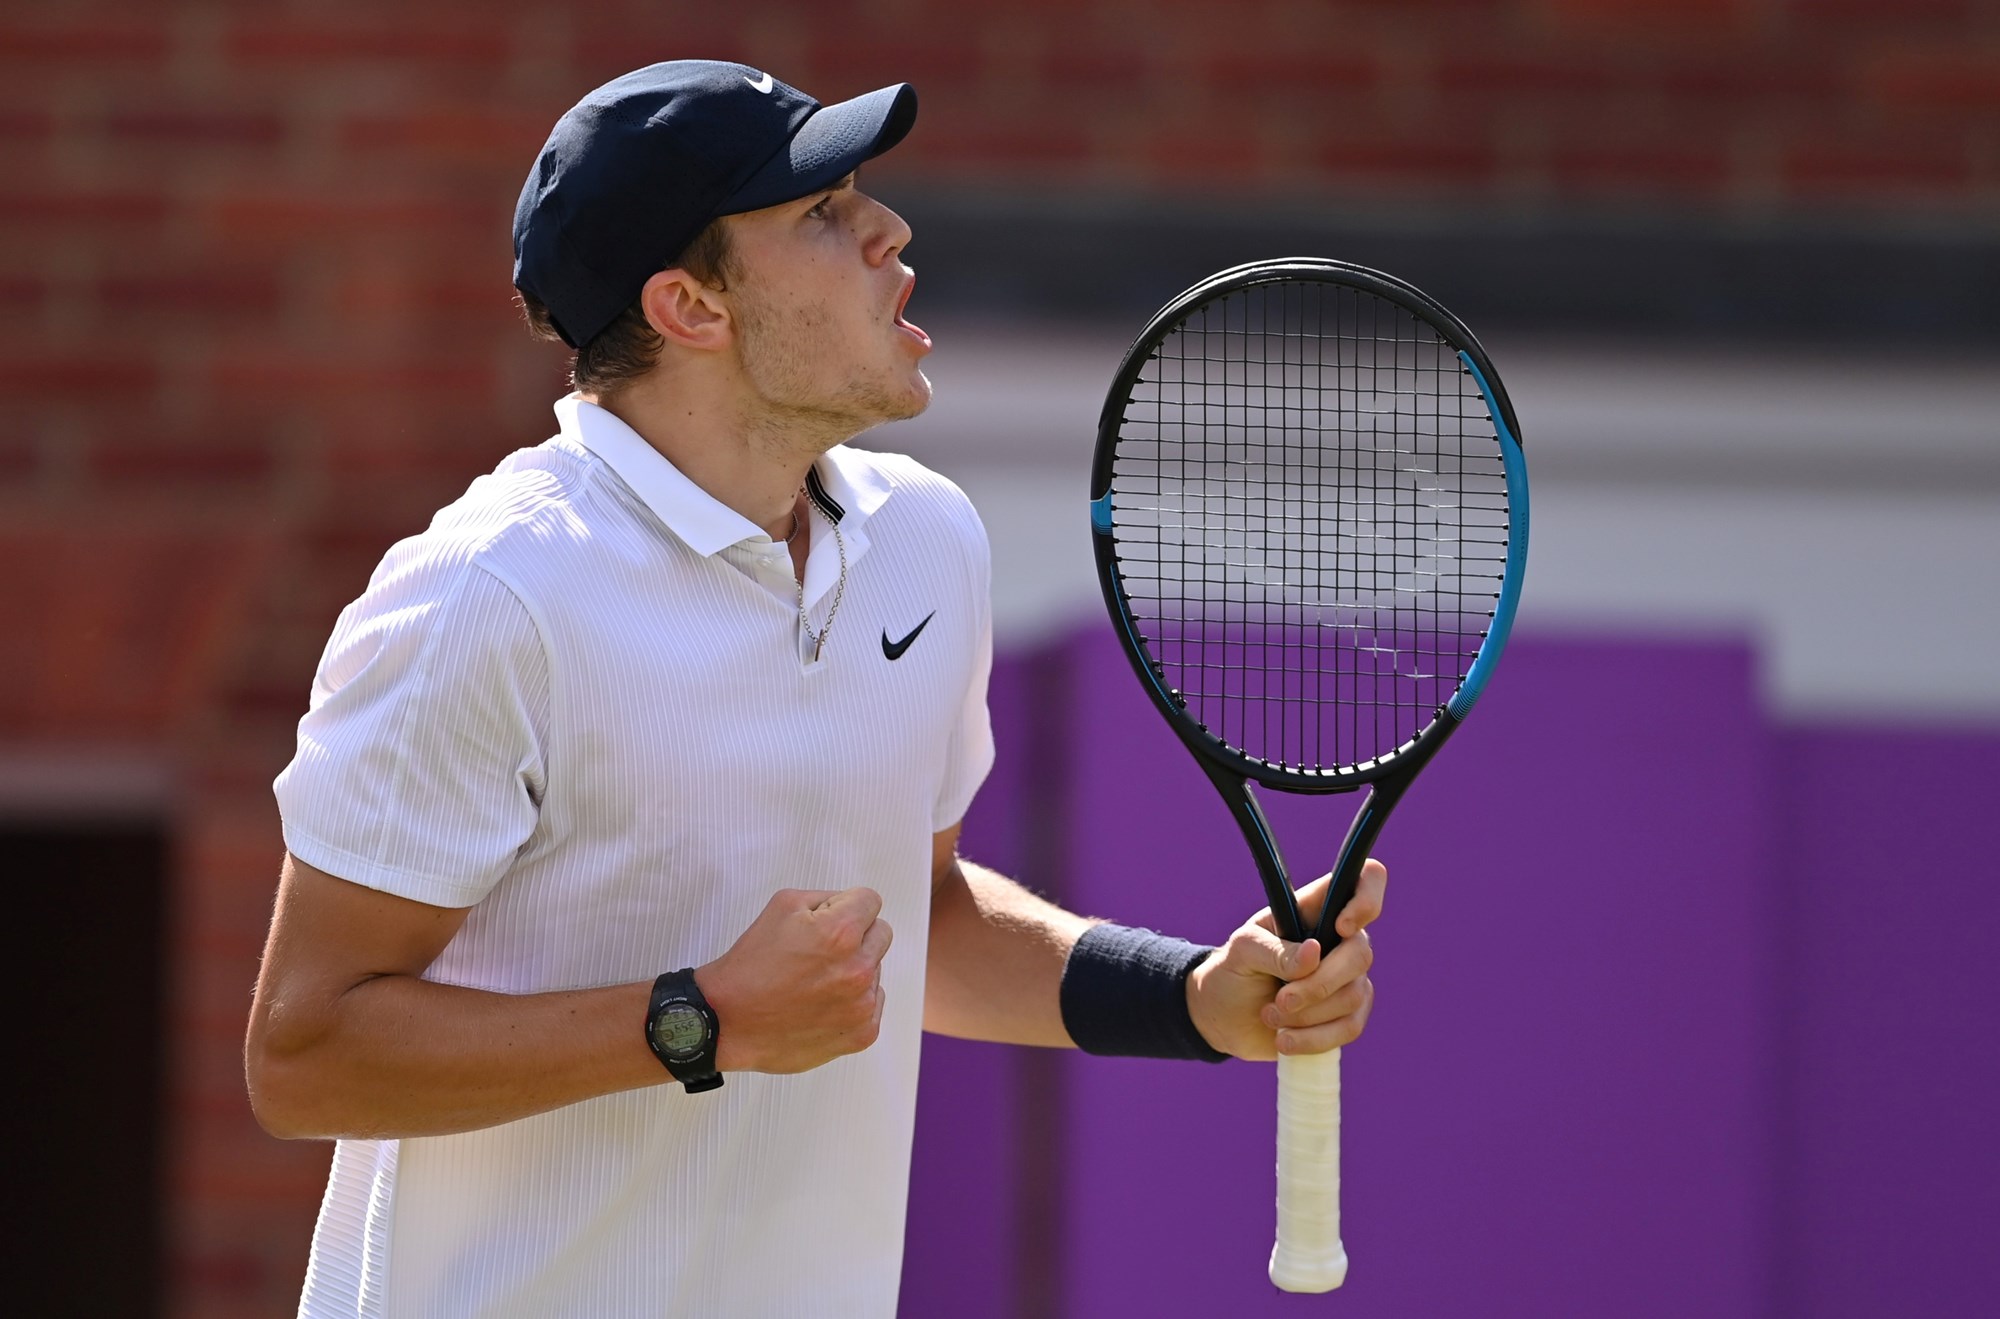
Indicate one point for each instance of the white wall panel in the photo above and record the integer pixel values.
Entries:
(1842, 511)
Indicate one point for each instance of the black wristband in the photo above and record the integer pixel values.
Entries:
(1124, 993)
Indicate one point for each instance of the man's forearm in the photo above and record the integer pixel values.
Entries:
(996, 960)
(347, 1039)
(399, 1056)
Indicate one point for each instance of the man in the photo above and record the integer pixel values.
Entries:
(609, 782)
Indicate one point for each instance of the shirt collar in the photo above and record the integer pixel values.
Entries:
(697, 517)
(847, 481)
(851, 480)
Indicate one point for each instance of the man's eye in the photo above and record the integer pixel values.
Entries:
(820, 207)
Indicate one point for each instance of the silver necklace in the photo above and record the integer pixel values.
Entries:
(839, 590)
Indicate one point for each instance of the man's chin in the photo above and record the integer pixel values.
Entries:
(920, 397)
(911, 402)
(880, 407)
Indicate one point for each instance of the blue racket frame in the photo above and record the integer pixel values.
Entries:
(1387, 776)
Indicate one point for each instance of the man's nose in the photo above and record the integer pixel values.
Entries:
(889, 234)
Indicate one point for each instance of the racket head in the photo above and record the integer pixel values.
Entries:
(1309, 507)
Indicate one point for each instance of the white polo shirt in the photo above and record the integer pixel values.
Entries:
(581, 704)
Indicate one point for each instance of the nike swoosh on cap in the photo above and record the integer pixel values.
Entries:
(894, 649)
(763, 86)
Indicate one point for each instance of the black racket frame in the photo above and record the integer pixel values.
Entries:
(1232, 771)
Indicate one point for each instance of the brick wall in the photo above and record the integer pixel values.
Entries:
(253, 271)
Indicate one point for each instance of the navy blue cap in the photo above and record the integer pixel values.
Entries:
(638, 168)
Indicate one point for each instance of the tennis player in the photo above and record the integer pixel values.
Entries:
(622, 875)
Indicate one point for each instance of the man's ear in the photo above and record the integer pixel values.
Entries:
(683, 310)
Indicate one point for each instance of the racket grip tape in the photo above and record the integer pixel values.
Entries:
(1308, 1255)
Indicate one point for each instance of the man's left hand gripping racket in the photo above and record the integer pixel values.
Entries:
(1311, 518)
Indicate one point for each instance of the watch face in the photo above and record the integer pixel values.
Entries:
(680, 1030)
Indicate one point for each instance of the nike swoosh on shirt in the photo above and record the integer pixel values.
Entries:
(763, 85)
(894, 649)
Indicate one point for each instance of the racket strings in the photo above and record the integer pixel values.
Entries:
(1310, 518)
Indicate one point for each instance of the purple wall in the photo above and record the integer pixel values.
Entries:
(1624, 1059)
(1890, 1165)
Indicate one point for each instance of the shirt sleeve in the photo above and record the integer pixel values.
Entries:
(419, 768)
(969, 752)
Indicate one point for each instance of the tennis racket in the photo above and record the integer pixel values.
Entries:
(1310, 513)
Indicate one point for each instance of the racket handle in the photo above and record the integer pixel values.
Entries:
(1308, 1256)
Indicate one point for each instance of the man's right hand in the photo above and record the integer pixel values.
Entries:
(803, 985)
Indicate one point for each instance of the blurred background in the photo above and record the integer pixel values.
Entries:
(1686, 989)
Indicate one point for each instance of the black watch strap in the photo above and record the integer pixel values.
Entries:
(682, 1031)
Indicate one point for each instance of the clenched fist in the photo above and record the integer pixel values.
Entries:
(803, 985)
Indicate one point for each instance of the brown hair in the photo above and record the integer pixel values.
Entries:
(628, 348)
